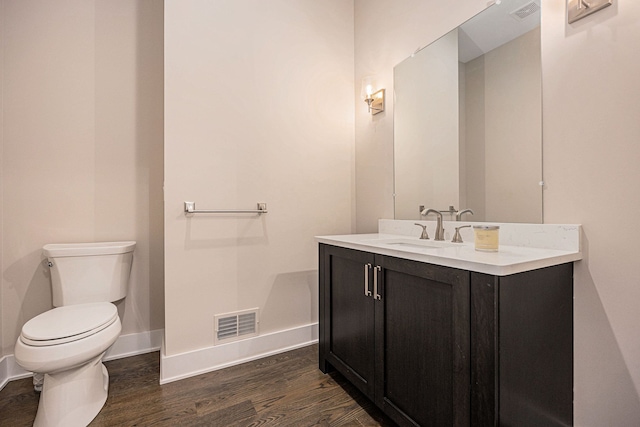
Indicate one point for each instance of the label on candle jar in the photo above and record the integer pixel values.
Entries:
(486, 237)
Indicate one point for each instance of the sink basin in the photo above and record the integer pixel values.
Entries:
(416, 244)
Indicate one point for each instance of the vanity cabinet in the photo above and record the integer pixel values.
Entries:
(399, 331)
(440, 346)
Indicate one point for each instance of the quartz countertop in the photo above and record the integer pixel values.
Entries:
(510, 259)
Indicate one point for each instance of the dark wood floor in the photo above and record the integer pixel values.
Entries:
(282, 390)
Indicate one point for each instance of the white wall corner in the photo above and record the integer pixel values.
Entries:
(125, 346)
(134, 344)
(189, 364)
(10, 370)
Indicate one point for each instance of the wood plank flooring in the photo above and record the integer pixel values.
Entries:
(281, 390)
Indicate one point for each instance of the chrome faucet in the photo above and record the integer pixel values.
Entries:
(457, 238)
(424, 234)
(439, 228)
(462, 212)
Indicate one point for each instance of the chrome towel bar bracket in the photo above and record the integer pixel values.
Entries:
(190, 208)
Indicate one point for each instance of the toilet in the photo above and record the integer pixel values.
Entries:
(67, 343)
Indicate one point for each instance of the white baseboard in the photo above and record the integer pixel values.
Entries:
(185, 365)
(10, 370)
(125, 346)
(134, 344)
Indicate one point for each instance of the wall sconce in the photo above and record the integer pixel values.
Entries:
(578, 9)
(374, 100)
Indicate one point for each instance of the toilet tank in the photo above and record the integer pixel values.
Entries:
(89, 272)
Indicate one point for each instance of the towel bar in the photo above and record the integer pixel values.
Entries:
(190, 207)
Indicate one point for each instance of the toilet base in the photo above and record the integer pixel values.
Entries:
(73, 397)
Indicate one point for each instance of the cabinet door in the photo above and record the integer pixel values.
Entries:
(422, 343)
(346, 324)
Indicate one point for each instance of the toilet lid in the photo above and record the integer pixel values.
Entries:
(68, 323)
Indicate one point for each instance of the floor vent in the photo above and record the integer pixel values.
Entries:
(236, 326)
(526, 10)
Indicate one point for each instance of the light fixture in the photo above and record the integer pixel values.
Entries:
(374, 100)
(578, 9)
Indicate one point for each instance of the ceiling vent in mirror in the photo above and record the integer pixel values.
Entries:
(526, 10)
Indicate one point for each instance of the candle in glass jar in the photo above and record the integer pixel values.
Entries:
(486, 237)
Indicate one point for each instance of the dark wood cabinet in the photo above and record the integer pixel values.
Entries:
(399, 331)
(438, 346)
(522, 348)
(348, 329)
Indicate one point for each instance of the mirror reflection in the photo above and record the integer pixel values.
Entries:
(467, 120)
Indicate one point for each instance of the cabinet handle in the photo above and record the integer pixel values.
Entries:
(367, 292)
(376, 295)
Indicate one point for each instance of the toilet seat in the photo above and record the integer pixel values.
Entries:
(50, 356)
(68, 323)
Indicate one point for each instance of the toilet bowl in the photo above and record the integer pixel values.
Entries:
(67, 343)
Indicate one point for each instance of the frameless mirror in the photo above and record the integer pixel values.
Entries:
(468, 120)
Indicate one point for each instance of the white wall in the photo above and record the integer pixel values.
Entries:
(474, 137)
(82, 146)
(426, 129)
(504, 136)
(386, 33)
(591, 156)
(258, 108)
(2, 14)
(513, 135)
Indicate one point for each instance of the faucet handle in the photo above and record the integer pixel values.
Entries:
(462, 212)
(457, 238)
(424, 235)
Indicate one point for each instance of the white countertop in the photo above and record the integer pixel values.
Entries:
(508, 260)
